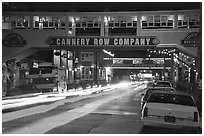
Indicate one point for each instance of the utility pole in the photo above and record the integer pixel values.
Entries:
(199, 49)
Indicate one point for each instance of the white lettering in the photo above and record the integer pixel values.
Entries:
(120, 41)
(131, 41)
(126, 41)
(68, 42)
(106, 41)
(87, 41)
(137, 42)
(58, 41)
(95, 41)
(142, 41)
(115, 41)
(78, 41)
(82, 41)
(73, 41)
(101, 41)
(63, 42)
(148, 40)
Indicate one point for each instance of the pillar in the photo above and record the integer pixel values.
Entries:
(172, 69)
(96, 67)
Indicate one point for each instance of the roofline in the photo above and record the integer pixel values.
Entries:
(106, 13)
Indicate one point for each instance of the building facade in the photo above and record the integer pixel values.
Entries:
(90, 46)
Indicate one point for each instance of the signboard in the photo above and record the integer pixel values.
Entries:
(103, 41)
(191, 40)
(14, 40)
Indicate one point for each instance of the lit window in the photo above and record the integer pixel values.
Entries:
(88, 26)
(6, 22)
(125, 25)
(15, 22)
(157, 22)
(48, 22)
(188, 21)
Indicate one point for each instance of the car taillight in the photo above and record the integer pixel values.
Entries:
(195, 117)
(145, 112)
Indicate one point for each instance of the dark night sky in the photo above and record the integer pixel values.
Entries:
(98, 6)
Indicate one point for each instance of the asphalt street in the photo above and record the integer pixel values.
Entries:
(112, 112)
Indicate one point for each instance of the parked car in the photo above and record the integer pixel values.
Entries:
(150, 85)
(170, 109)
(149, 91)
(163, 84)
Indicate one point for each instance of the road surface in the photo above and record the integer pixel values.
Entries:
(113, 112)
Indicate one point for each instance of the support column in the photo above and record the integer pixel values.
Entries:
(102, 33)
(164, 68)
(172, 69)
(96, 67)
(138, 24)
(31, 22)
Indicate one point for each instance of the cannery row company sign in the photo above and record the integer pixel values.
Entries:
(102, 41)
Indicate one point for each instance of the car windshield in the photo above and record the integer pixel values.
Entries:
(34, 71)
(163, 84)
(150, 84)
(149, 91)
(171, 99)
(164, 89)
(47, 70)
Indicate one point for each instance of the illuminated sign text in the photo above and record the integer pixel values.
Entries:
(103, 41)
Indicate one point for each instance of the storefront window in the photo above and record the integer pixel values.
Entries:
(48, 22)
(157, 22)
(87, 56)
(87, 73)
(188, 21)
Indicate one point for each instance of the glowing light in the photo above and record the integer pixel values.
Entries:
(77, 19)
(106, 19)
(109, 53)
(123, 84)
(135, 18)
(175, 60)
(92, 66)
(171, 17)
(72, 19)
(180, 17)
(70, 32)
(108, 68)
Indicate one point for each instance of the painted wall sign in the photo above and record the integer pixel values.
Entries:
(103, 41)
(14, 40)
(191, 40)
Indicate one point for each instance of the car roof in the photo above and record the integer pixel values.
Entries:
(162, 82)
(172, 92)
(159, 88)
